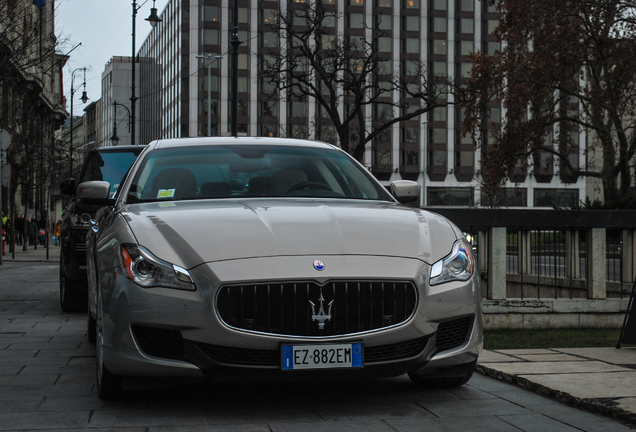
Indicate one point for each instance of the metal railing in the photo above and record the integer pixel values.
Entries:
(551, 254)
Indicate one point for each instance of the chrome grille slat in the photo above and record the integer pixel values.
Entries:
(358, 306)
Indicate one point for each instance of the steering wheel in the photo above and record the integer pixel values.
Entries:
(308, 185)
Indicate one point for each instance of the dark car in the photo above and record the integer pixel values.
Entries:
(107, 164)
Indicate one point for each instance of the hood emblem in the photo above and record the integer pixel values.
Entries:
(319, 265)
(321, 316)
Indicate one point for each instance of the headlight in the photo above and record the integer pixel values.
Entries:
(81, 220)
(458, 265)
(146, 270)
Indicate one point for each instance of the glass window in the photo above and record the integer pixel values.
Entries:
(270, 16)
(269, 108)
(329, 21)
(210, 37)
(412, 23)
(466, 158)
(411, 67)
(440, 136)
(449, 196)
(492, 47)
(466, 48)
(211, 13)
(440, 4)
(243, 107)
(243, 85)
(440, 68)
(384, 22)
(468, 5)
(243, 15)
(492, 26)
(383, 3)
(412, 4)
(356, 20)
(298, 109)
(356, 2)
(438, 158)
(328, 41)
(439, 47)
(467, 26)
(464, 69)
(411, 135)
(439, 114)
(412, 46)
(385, 44)
(439, 25)
(270, 40)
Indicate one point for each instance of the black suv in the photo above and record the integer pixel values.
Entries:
(107, 164)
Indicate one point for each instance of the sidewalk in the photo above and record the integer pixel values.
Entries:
(32, 255)
(601, 380)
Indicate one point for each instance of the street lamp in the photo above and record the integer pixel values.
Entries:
(153, 19)
(84, 98)
(115, 138)
(209, 66)
(235, 53)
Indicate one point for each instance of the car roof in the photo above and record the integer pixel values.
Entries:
(207, 141)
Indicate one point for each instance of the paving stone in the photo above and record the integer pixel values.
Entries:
(36, 420)
(495, 357)
(588, 385)
(450, 424)
(475, 407)
(525, 351)
(526, 368)
(554, 357)
(147, 418)
(331, 426)
(537, 423)
(623, 356)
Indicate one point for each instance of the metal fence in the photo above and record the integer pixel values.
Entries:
(549, 254)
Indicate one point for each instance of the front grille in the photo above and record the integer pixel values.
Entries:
(309, 309)
(272, 358)
(451, 334)
(80, 254)
(160, 342)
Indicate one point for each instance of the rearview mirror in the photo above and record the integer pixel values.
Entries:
(406, 192)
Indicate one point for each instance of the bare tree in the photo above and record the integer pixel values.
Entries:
(345, 74)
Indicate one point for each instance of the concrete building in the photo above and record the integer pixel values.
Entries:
(193, 40)
(116, 89)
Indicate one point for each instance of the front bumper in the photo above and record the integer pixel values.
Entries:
(172, 333)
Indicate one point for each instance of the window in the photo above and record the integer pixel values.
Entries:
(383, 3)
(243, 15)
(439, 47)
(270, 16)
(507, 197)
(210, 13)
(466, 48)
(269, 109)
(449, 196)
(384, 44)
(384, 22)
(556, 197)
(412, 4)
(270, 40)
(298, 109)
(492, 26)
(440, 68)
(467, 5)
(243, 107)
(440, 136)
(412, 23)
(467, 26)
(439, 25)
(356, 20)
(243, 61)
(210, 37)
(464, 69)
(411, 46)
(439, 114)
(440, 4)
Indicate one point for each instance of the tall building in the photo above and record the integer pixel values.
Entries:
(186, 89)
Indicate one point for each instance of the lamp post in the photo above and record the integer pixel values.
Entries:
(84, 98)
(235, 53)
(153, 19)
(115, 138)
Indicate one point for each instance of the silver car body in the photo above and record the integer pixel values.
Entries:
(231, 247)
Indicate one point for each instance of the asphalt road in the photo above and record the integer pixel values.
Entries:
(47, 382)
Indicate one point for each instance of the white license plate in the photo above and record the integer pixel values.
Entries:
(322, 356)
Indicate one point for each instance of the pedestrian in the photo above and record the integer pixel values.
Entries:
(31, 230)
(19, 230)
(5, 227)
(57, 232)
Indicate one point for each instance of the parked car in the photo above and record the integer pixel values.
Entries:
(281, 256)
(105, 163)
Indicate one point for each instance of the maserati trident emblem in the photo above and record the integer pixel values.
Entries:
(321, 316)
(319, 265)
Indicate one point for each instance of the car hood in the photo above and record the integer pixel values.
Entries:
(190, 233)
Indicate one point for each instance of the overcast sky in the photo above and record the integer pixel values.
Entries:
(104, 28)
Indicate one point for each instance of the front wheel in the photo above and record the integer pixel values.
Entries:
(108, 384)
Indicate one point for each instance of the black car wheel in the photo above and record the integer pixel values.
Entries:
(91, 327)
(108, 384)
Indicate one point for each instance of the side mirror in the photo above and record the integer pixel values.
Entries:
(67, 187)
(406, 192)
(96, 192)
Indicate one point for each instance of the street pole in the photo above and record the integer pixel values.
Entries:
(84, 99)
(133, 98)
(235, 52)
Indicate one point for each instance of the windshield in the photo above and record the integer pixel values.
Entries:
(205, 172)
(108, 166)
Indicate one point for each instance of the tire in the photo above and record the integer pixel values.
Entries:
(108, 384)
(91, 326)
(73, 296)
(450, 377)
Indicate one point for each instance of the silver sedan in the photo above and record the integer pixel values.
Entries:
(279, 256)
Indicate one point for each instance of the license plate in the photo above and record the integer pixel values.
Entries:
(322, 356)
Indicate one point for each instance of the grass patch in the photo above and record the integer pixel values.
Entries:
(551, 338)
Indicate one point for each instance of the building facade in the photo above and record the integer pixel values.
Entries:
(186, 89)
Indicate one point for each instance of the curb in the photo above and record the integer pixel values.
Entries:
(607, 407)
